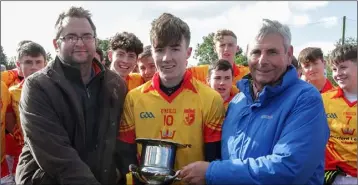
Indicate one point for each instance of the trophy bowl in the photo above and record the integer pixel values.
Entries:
(157, 161)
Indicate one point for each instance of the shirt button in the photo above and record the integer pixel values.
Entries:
(105, 171)
(113, 123)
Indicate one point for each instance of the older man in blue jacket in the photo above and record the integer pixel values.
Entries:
(276, 129)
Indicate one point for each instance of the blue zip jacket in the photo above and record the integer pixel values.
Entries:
(278, 139)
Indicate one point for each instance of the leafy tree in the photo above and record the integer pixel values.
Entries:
(9, 64)
(104, 45)
(205, 52)
(349, 40)
(3, 57)
(329, 75)
(240, 58)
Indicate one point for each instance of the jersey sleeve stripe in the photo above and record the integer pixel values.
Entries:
(213, 126)
(211, 135)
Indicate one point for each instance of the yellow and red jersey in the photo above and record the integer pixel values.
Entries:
(10, 77)
(192, 115)
(4, 102)
(15, 94)
(327, 86)
(201, 72)
(341, 148)
(134, 80)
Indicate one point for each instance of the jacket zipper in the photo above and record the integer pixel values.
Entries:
(88, 94)
(84, 135)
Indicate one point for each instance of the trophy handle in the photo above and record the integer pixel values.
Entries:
(133, 168)
(175, 177)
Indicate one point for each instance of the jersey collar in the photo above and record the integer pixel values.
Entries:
(232, 95)
(327, 86)
(155, 86)
(340, 94)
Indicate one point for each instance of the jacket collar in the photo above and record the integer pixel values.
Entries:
(72, 72)
(269, 91)
(54, 71)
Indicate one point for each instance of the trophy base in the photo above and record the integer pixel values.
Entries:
(154, 175)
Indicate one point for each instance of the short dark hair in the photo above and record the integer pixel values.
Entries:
(126, 41)
(343, 53)
(77, 12)
(32, 49)
(167, 30)
(22, 43)
(310, 54)
(223, 32)
(147, 52)
(221, 64)
(100, 53)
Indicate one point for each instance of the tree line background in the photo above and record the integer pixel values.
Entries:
(204, 53)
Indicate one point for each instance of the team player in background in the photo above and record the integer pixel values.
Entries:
(8, 144)
(14, 76)
(11, 77)
(6, 176)
(31, 58)
(226, 47)
(313, 65)
(220, 79)
(124, 50)
(173, 105)
(145, 63)
(341, 109)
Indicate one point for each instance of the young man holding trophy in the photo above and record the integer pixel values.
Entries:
(174, 106)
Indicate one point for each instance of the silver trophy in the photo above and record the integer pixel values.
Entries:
(157, 161)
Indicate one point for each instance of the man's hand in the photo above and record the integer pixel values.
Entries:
(194, 173)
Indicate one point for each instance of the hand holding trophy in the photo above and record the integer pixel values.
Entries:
(157, 161)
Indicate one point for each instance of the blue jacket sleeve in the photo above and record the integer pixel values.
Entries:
(295, 157)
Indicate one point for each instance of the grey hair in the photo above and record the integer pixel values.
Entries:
(268, 26)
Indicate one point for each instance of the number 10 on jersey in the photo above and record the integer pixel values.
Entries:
(168, 120)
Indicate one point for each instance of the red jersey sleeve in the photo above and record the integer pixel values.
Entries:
(126, 127)
(213, 119)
